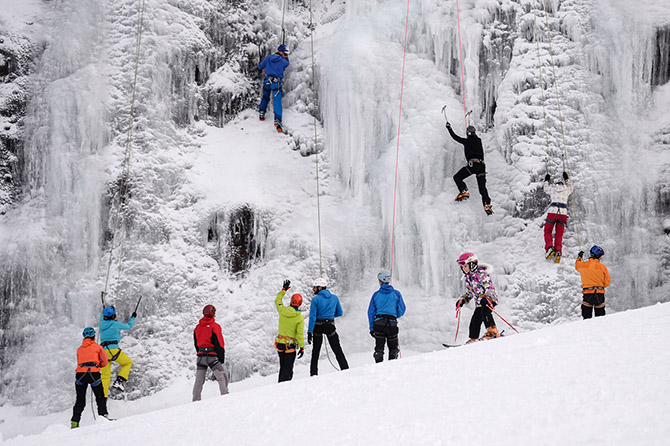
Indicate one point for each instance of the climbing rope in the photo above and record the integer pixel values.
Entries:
(121, 200)
(397, 154)
(460, 55)
(560, 114)
(544, 110)
(316, 149)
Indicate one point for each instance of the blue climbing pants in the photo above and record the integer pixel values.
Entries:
(272, 86)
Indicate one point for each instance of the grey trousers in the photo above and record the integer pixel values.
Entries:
(217, 368)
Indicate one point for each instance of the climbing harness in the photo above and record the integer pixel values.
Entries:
(288, 344)
(397, 155)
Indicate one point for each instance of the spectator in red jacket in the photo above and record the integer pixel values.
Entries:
(211, 352)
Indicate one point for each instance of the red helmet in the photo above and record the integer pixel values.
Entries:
(296, 300)
(209, 311)
(467, 257)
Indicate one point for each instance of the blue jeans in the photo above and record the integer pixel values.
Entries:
(274, 89)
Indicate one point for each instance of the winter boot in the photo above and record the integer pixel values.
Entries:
(278, 126)
(488, 209)
(557, 257)
(464, 195)
(491, 333)
(74, 424)
(471, 340)
(261, 115)
(118, 384)
(550, 253)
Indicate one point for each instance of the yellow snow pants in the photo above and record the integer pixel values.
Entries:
(106, 372)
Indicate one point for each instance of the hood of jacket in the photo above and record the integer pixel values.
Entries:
(385, 288)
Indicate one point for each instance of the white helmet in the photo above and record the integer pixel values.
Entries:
(321, 281)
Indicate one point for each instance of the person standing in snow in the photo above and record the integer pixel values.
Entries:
(474, 155)
(325, 307)
(557, 215)
(386, 306)
(595, 278)
(90, 357)
(110, 336)
(290, 332)
(480, 287)
(274, 65)
(211, 352)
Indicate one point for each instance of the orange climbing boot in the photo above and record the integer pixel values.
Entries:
(470, 341)
(488, 209)
(463, 195)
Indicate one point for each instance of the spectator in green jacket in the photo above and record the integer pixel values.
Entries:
(291, 336)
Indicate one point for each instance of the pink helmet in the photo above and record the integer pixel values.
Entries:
(467, 257)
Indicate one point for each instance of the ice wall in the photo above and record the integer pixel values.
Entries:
(53, 240)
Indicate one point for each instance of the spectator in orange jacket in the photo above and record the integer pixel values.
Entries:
(90, 358)
(595, 278)
(210, 348)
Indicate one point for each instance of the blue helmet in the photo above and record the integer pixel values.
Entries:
(109, 311)
(384, 277)
(596, 251)
(283, 48)
(89, 332)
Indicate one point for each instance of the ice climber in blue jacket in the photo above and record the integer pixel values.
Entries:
(325, 307)
(274, 65)
(110, 336)
(386, 306)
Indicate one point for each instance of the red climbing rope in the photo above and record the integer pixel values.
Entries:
(397, 154)
(460, 55)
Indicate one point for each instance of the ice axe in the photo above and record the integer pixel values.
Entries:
(445, 113)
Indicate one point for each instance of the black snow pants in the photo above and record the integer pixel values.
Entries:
(481, 314)
(81, 383)
(591, 302)
(326, 327)
(478, 169)
(385, 331)
(286, 361)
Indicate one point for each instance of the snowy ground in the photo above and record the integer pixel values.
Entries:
(583, 383)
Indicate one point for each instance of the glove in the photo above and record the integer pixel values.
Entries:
(448, 125)
(309, 338)
(565, 176)
(547, 178)
(372, 333)
(301, 352)
(134, 314)
(287, 285)
(222, 357)
(580, 255)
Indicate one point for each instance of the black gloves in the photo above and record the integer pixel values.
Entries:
(222, 356)
(580, 255)
(448, 125)
(547, 178)
(372, 333)
(565, 175)
(309, 338)
(287, 285)
(301, 352)
(134, 314)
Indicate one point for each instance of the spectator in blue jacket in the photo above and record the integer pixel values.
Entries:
(274, 65)
(386, 306)
(325, 307)
(110, 336)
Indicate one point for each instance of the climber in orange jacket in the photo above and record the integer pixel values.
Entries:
(595, 278)
(90, 358)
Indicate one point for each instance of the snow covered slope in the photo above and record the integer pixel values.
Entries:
(601, 381)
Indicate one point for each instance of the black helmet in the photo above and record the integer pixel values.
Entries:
(471, 130)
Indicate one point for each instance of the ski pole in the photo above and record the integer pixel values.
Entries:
(491, 308)
(458, 325)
